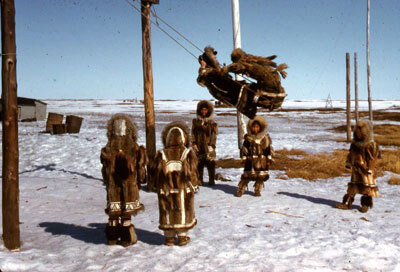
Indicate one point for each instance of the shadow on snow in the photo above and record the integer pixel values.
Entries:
(95, 234)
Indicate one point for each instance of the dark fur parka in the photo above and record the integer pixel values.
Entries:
(175, 177)
(124, 166)
(362, 157)
(204, 132)
(257, 152)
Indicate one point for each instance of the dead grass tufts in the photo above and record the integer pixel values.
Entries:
(385, 134)
(394, 180)
(318, 166)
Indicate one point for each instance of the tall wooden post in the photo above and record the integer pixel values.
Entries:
(237, 43)
(355, 87)
(148, 78)
(368, 66)
(348, 101)
(10, 193)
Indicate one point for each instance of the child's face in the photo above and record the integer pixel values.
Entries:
(204, 111)
(255, 128)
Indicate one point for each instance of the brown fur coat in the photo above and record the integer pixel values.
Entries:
(257, 152)
(362, 157)
(204, 132)
(123, 168)
(175, 176)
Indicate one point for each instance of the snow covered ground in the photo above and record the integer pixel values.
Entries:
(292, 227)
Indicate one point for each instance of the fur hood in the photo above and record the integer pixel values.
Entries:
(239, 55)
(172, 134)
(121, 125)
(263, 126)
(204, 104)
(366, 133)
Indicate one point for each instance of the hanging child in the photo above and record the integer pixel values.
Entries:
(124, 166)
(362, 157)
(257, 154)
(204, 138)
(174, 173)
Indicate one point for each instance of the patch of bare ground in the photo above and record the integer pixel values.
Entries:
(226, 114)
(394, 180)
(327, 110)
(382, 115)
(385, 134)
(318, 166)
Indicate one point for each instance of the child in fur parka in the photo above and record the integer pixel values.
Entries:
(204, 138)
(362, 157)
(124, 166)
(174, 173)
(257, 154)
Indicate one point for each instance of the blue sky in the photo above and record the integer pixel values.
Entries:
(92, 48)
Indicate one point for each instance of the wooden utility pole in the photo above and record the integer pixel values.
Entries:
(148, 78)
(348, 101)
(237, 43)
(355, 87)
(368, 66)
(10, 191)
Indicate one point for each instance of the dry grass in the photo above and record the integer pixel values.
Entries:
(382, 115)
(385, 134)
(394, 180)
(318, 166)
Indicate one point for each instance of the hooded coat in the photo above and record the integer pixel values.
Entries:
(174, 173)
(204, 132)
(362, 157)
(124, 166)
(256, 152)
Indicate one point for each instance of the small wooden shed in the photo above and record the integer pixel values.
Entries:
(30, 109)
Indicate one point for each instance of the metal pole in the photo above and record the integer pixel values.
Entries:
(10, 191)
(237, 43)
(148, 80)
(368, 65)
(348, 101)
(356, 87)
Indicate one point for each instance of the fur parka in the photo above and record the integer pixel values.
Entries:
(262, 69)
(256, 152)
(175, 177)
(362, 157)
(204, 132)
(124, 166)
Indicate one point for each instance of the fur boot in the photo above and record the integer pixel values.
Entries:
(257, 188)
(128, 235)
(241, 187)
(366, 202)
(183, 240)
(347, 202)
(211, 173)
(169, 241)
(112, 234)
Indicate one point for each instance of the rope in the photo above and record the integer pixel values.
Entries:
(176, 31)
(164, 31)
(171, 37)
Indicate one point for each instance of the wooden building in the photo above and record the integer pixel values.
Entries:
(30, 109)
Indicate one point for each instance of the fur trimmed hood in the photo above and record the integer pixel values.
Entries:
(204, 104)
(239, 55)
(365, 126)
(263, 126)
(172, 134)
(121, 125)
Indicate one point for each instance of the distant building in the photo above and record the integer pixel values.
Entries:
(30, 109)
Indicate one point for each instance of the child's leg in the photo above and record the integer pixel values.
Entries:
(258, 185)
(183, 239)
(169, 237)
(347, 202)
(211, 172)
(242, 186)
(112, 230)
(128, 235)
(366, 202)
